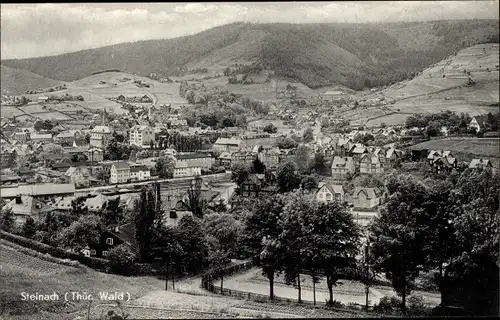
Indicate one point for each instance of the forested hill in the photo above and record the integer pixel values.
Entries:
(354, 55)
(15, 81)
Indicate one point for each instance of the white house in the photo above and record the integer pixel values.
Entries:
(120, 172)
(202, 160)
(141, 135)
(329, 192)
(182, 169)
(478, 123)
(139, 173)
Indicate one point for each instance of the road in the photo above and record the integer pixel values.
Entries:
(220, 177)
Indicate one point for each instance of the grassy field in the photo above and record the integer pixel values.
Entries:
(430, 92)
(473, 146)
(8, 111)
(22, 273)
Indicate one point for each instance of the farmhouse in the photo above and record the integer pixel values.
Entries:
(80, 176)
(342, 166)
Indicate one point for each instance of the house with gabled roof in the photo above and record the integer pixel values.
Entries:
(478, 123)
(370, 164)
(328, 192)
(366, 198)
(444, 163)
(24, 206)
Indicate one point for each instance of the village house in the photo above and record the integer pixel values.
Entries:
(99, 136)
(141, 135)
(243, 157)
(227, 145)
(26, 206)
(370, 164)
(435, 154)
(341, 167)
(478, 123)
(120, 172)
(139, 173)
(203, 160)
(182, 169)
(357, 151)
(328, 192)
(389, 157)
(224, 160)
(255, 185)
(366, 199)
(80, 176)
(443, 164)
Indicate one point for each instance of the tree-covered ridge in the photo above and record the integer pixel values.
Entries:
(355, 55)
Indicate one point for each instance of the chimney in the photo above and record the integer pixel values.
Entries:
(18, 199)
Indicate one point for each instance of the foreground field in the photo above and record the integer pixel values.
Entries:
(23, 273)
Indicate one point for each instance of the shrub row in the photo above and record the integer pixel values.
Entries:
(42, 256)
(94, 263)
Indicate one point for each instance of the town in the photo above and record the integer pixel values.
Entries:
(268, 193)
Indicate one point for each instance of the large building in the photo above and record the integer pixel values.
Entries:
(99, 136)
(227, 145)
(120, 172)
(182, 169)
(203, 160)
(141, 135)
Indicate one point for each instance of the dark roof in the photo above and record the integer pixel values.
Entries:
(121, 165)
(126, 233)
(138, 168)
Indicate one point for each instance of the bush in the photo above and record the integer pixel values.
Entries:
(388, 305)
(121, 259)
(417, 306)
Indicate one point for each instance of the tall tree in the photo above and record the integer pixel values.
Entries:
(397, 234)
(258, 166)
(261, 233)
(112, 213)
(302, 156)
(287, 177)
(165, 167)
(146, 220)
(86, 231)
(239, 173)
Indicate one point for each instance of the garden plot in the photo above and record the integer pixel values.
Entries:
(476, 146)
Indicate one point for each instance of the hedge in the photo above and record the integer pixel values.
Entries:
(94, 263)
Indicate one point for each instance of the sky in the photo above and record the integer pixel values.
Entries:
(35, 30)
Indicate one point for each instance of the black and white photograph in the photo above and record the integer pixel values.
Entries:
(218, 160)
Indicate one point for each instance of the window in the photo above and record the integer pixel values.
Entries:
(109, 241)
(104, 253)
(92, 252)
